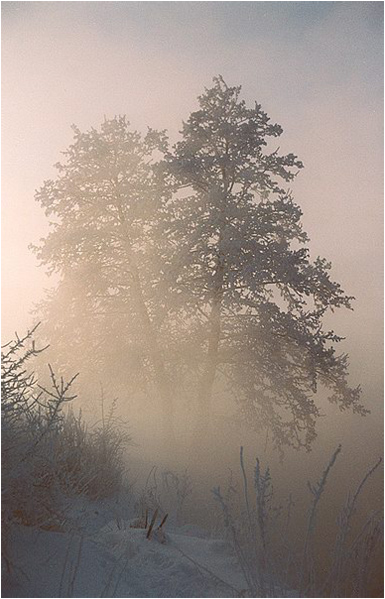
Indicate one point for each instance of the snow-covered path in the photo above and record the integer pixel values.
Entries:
(123, 563)
(185, 565)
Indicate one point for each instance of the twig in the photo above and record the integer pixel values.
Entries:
(148, 535)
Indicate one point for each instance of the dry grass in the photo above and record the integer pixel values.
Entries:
(268, 553)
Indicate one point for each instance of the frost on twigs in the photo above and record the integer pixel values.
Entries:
(49, 456)
(275, 558)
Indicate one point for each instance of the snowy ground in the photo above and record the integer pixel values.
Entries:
(121, 563)
(115, 560)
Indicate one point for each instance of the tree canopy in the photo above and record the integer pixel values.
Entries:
(195, 260)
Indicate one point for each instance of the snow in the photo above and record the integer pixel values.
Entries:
(112, 559)
(120, 563)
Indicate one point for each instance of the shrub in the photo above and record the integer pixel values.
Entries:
(267, 555)
(48, 454)
(93, 460)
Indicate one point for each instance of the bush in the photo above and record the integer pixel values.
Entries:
(269, 556)
(48, 454)
(93, 459)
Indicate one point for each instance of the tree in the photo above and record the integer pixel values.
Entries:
(253, 292)
(190, 268)
(105, 207)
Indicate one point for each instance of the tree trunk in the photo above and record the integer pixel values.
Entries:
(208, 377)
(154, 351)
(202, 432)
(155, 354)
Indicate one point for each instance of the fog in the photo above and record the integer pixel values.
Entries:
(316, 69)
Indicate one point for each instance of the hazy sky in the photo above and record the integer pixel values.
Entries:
(316, 68)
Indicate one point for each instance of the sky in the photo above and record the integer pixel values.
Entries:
(316, 68)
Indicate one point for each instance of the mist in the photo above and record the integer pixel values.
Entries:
(317, 70)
